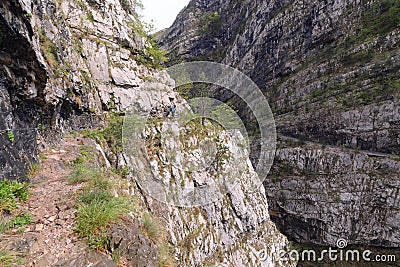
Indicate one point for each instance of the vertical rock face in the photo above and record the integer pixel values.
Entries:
(330, 70)
(22, 82)
(64, 63)
(234, 230)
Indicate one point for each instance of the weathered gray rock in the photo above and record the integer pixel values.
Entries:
(335, 193)
(128, 241)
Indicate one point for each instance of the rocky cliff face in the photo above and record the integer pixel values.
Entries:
(22, 86)
(65, 65)
(330, 71)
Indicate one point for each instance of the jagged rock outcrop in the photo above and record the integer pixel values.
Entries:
(77, 59)
(330, 71)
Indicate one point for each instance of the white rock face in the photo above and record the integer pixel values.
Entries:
(234, 229)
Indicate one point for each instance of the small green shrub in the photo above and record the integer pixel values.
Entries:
(125, 5)
(89, 16)
(11, 136)
(210, 24)
(153, 56)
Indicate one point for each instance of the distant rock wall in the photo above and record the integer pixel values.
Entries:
(321, 194)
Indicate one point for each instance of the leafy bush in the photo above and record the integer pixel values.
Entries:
(127, 6)
(153, 56)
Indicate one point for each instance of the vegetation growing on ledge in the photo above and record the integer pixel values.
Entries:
(11, 195)
(98, 207)
(381, 18)
(111, 134)
(49, 49)
(153, 56)
(210, 24)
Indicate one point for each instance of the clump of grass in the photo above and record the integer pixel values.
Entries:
(165, 256)
(86, 155)
(18, 220)
(98, 208)
(94, 217)
(152, 227)
(9, 258)
(10, 193)
(83, 173)
(34, 169)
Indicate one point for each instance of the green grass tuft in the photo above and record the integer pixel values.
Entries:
(152, 227)
(9, 258)
(10, 193)
(98, 207)
(83, 173)
(94, 217)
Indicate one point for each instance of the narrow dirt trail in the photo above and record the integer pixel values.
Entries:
(50, 240)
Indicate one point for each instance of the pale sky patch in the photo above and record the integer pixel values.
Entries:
(161, 13)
